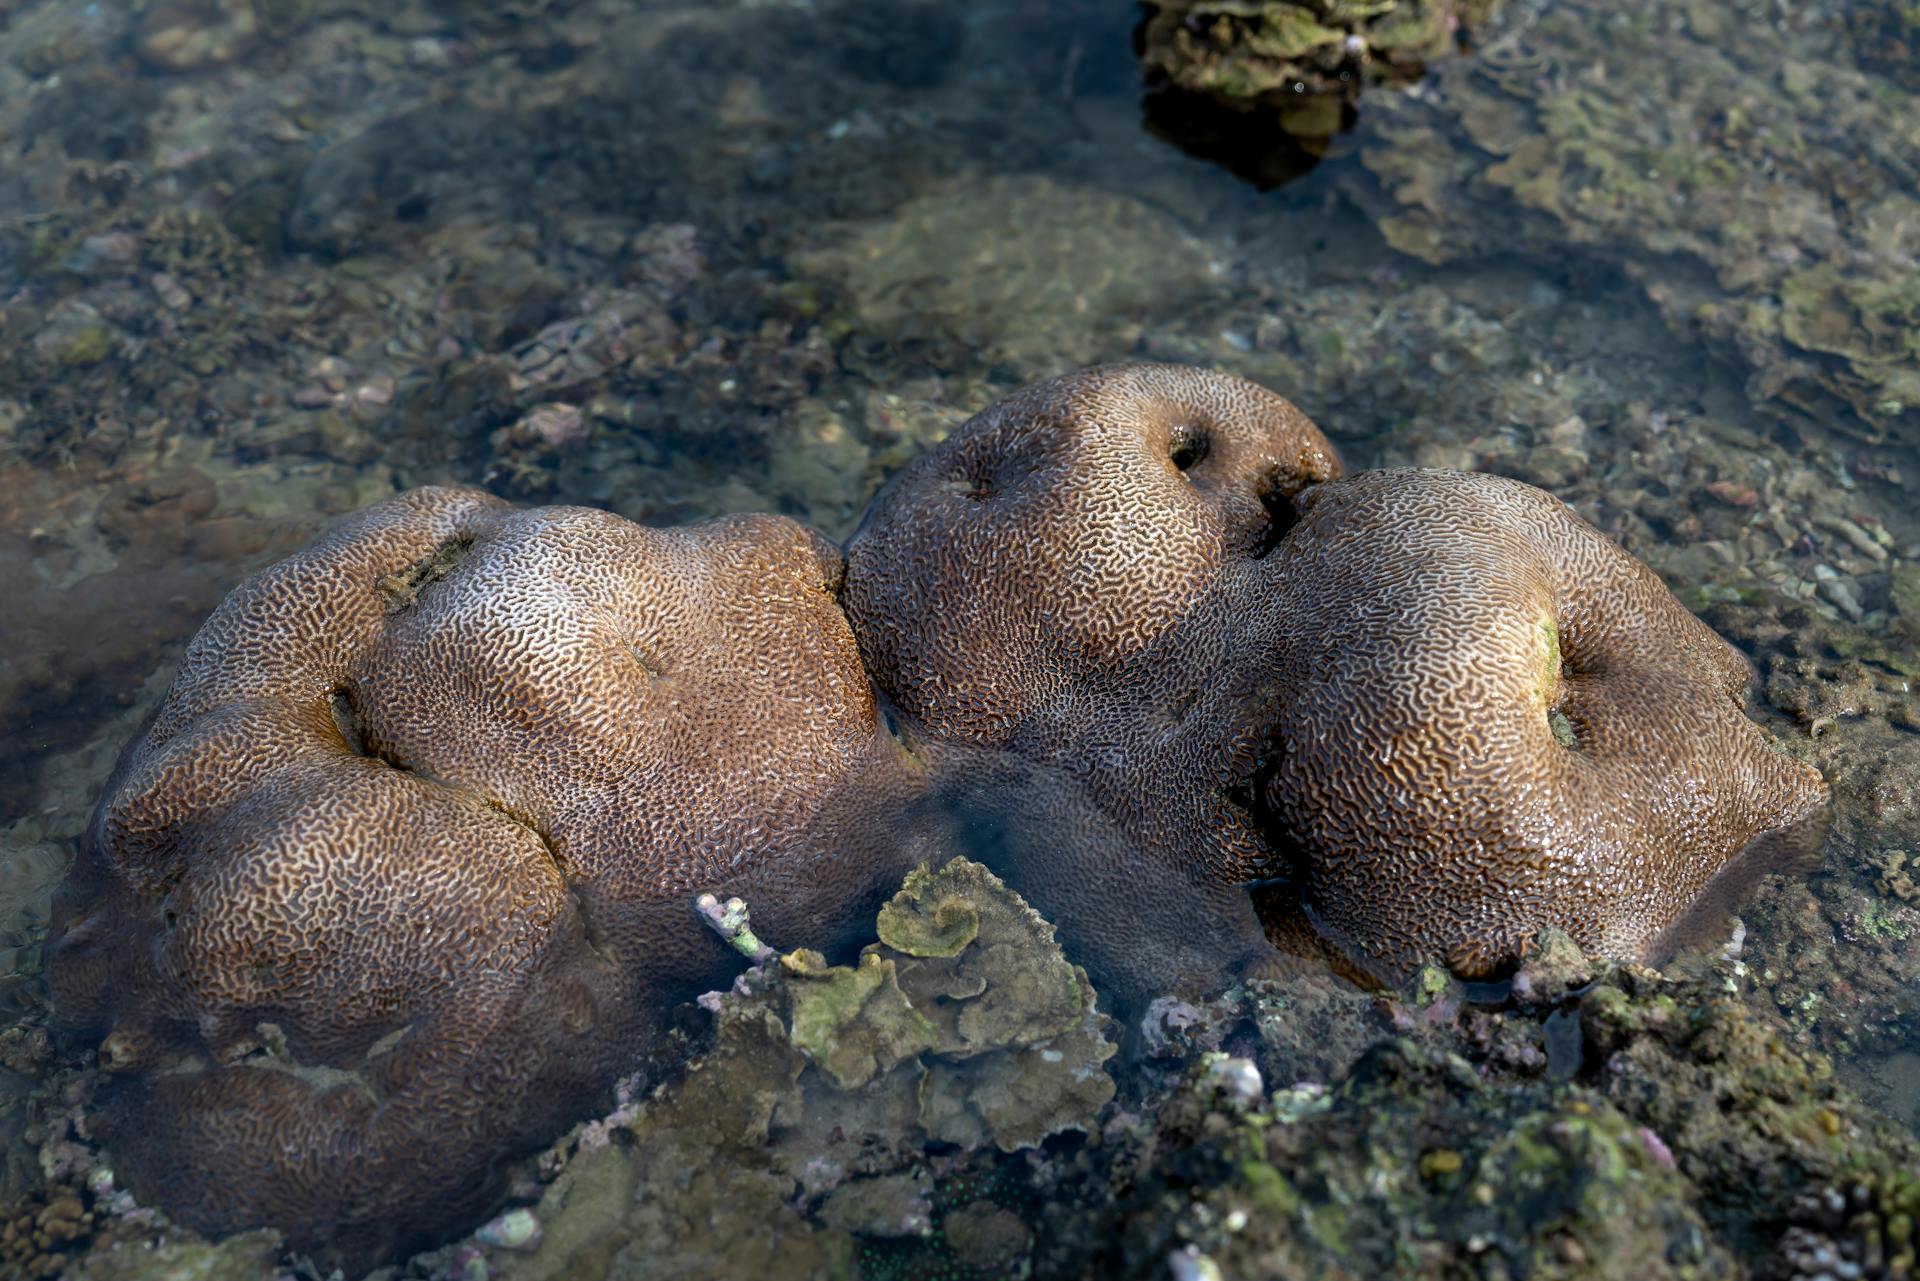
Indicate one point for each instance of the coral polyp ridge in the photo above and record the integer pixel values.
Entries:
(403, 873)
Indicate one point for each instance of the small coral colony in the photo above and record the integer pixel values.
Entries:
(404, 869)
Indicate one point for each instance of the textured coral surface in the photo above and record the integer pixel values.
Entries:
(1495, 719)
(403, 872)
(1067, 579)
(403, 867)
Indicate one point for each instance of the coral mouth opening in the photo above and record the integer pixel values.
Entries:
(1189, 448)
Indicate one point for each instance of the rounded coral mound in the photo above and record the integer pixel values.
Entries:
(402, 871)
(1073, 579)
(1495, 719)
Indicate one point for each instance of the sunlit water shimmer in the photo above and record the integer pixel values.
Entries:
(265, 262)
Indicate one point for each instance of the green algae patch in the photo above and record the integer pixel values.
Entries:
(246, 1257)
(856, 1023)
(87, 346)
(1544, 137)
(1549, 687)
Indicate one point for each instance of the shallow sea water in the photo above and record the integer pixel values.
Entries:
(264, 264)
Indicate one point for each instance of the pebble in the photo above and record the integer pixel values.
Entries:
(1853, 533)
(1190, 1265)
(514, 1230)
(172, 295)
(1235, 1078)
(195, 36)
(1734, 495)
(376, 391)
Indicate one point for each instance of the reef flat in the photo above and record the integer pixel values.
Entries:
(683, 260)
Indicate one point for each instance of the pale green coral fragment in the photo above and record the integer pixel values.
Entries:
(824, 1086)
(920, 922)
(856, 1023)
(969, 975)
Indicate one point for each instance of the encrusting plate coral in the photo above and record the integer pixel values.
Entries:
(403, 872)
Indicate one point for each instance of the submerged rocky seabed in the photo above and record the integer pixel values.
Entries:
(263, 263)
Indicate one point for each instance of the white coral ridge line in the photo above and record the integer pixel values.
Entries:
(731, 921)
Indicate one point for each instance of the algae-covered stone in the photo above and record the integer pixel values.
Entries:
(250, 1256)
(892, 1205)
(1546, 137)
(1906, 594)
(1016, 1099)
(985, 1236)
(925, 920)
(1689, 1135)
(686, 1190)
(88, 346)
(1284, 67)
(580, 1216)
(1243, 51)
(1553, 968)
(807, 1123)
(1580, 1185)
(1007, 985)
(1024, 269)
(1418, 1168)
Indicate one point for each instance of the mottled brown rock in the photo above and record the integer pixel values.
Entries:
(1072, 581)
(402, 870)
(1496, 720)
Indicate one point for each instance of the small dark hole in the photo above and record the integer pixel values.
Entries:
(1188, 451)
(412, 209)
(172, 919)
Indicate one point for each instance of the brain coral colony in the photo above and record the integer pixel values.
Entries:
(404, 871)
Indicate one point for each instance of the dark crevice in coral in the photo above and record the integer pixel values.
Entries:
(526, 820)
(570, 875)
(1248, 795)
(347, 722)
(1282, 516)
(590, 930)
(400, 590)
(648, 664)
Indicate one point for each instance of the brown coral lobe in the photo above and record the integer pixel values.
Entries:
(1072, 580)
(400, 872)
(1496, 720)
